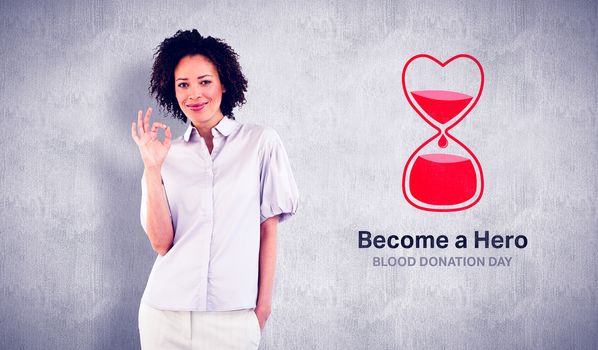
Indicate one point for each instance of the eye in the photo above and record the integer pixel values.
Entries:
(182, 85)
(205, 82)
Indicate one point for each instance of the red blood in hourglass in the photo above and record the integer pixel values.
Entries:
(442, 179)
(442, 142)
(440, 104)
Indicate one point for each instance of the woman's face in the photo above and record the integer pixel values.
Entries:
(198, 90)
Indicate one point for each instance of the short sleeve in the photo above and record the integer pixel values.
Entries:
(278, 192)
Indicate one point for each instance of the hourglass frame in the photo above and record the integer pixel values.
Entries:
(442, 129)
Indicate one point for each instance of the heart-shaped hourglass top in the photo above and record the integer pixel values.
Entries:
(443, 105)
(438, 177)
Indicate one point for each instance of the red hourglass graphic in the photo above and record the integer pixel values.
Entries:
(442, 174)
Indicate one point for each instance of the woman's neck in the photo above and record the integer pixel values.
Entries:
(205, 129)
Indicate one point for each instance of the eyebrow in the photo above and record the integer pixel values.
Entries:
(200, 77)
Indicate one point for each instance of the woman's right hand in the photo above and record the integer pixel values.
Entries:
(153, 152)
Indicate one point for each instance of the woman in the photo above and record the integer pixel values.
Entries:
(211, 202)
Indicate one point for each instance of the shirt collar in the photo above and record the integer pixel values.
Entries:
(225, 126)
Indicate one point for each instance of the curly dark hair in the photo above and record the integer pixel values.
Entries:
(190, 42)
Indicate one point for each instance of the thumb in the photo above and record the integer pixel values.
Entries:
(167, 136)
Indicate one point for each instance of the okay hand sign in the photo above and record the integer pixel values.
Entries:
(153, 152)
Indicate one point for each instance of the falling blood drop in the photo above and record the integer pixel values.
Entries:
(442, 142)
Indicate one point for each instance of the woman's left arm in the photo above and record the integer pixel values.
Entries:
(266, 269)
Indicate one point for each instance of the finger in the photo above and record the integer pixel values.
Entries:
(134, 134)
(154, 131)
(140, 123)
(168, 136)
(147, 119)
(157, 125)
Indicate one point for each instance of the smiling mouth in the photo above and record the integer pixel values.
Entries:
(197, 106)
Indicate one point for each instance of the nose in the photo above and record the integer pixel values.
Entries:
(195, 92)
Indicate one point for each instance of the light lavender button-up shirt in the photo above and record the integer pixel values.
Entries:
(217, 202)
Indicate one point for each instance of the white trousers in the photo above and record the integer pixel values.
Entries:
(197, 330)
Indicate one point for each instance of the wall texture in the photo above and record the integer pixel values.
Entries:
(326, 76)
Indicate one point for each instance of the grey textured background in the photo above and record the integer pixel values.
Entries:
(326, 76)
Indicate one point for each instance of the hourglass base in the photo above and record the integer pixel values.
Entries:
(442, 179)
